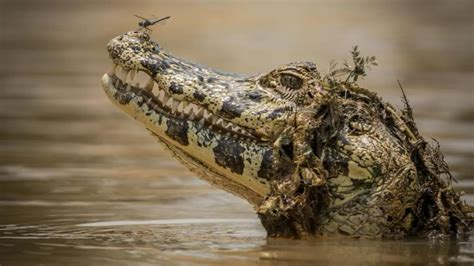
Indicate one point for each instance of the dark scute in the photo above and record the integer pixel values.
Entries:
(231, 109)
(136, 48)
(154, 65)
(211, 80)
(176, 88)
(255, 96)
(206, 137)
(123, 98)
(141, 101)
(311, 67)
(266, 167)
(115, 53)
(277, 112)
(228, 154)
(200, 96)
(178, 130)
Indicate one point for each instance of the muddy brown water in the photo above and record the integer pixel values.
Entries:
(82, 184)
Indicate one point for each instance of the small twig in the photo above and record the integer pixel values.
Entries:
(408, 108)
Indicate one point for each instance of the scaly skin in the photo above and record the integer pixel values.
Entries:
(313, 156)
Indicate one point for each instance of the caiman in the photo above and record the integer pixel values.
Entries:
(313, 156)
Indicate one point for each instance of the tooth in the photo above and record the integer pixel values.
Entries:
(200, 112)
(133, 72)
(148, 101)
(219, 122)
(112, 68)
(128, 87)
(155, 91)
(137, 85)
(165, 98)
(182, 105)
(190, 108)
(124, 75)
(169, 103)
(262, 132)
(161, 96)
(213, 119)
(149, 85)
(196, 108)
(174, 108)
(187, 109)
(117, 83)
(118, 71)
(191, 116)
(206, 114)
(202, 121)
(181, 116)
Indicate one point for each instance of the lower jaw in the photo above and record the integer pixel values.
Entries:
(212, 177)
(183, 137)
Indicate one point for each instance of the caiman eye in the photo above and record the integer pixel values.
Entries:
(291, 81)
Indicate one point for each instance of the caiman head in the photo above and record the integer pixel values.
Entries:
(222, 126)
(310, 156)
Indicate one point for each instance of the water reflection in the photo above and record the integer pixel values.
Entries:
(365, 252)
(227, 241)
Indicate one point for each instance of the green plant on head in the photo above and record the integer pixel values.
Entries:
(358, 69)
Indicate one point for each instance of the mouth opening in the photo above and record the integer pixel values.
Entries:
(161, 101)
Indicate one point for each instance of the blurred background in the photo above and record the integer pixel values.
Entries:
(81, 183)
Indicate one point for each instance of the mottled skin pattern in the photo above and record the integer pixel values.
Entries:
(313, 158)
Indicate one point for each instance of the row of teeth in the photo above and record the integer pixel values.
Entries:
(181, 109)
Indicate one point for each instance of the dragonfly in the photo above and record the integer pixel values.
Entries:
(145, 22)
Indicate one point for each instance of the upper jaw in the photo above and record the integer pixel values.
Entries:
(189, 91)
(124, 84)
